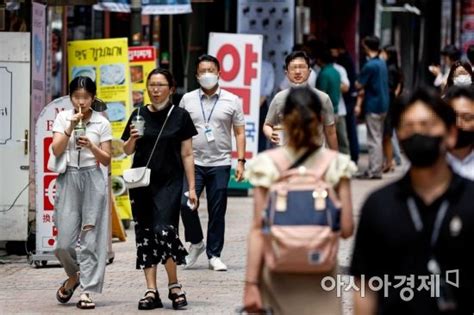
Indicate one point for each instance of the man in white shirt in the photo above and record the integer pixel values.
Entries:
(461, 158)
(341, 128)
(215, 113)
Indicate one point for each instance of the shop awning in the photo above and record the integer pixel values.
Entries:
(157, 7)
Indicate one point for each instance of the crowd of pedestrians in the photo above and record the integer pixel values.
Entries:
(419, 226)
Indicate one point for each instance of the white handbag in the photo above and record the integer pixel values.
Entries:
(137, 177)
(58, 164)
(140, 176)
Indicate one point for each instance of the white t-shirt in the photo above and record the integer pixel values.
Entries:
(341, 108)
(98, 130)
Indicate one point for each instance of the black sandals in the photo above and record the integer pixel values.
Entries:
(85, 302)
(178, 299)
(63, 295)
(150, 300)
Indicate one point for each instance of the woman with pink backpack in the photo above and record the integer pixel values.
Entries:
(302, 206)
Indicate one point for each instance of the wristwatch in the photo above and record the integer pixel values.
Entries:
(242, 160)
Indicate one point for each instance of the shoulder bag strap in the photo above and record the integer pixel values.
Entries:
(159, 136)
(321, 164)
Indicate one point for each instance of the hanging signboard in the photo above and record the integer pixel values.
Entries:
(105, 61)
(240, 57)
(142, 62)
(149, 7)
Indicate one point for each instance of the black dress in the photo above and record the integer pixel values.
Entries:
(156, 208)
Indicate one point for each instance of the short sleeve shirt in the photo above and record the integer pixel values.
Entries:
(98, 130)
(166, 161)
(374, 78)
(387, 243)
(329, 81)
(219, 112)
(276, 108)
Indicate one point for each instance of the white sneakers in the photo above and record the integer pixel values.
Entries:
(194, 251)
(216, 264)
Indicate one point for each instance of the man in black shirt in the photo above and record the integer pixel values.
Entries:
(421, 226)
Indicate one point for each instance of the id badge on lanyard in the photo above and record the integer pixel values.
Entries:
(209, 134)
(208, 130)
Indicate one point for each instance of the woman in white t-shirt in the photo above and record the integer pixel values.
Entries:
(81, 196)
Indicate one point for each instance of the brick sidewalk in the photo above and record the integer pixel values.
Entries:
(28, 290)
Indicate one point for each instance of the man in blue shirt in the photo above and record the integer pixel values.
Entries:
(373, 83)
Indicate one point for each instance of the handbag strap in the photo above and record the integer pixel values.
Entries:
(159, 136)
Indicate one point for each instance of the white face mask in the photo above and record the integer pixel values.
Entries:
(462, 80)
(208, 80)
(296, 85)
(162, 105)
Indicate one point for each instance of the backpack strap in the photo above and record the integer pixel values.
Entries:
(279, 158)
(321, 164)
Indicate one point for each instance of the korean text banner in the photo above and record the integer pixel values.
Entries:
(105, 61)
(240, 57)
(158, 7)
(142, 62)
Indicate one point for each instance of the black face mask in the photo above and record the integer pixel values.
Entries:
(422, 150)
(465, 138)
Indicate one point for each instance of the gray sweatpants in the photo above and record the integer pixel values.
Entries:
(375, 124)
(81, 214)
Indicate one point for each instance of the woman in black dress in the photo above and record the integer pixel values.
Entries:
(156, 207)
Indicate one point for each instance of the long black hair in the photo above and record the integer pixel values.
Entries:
(85, 83)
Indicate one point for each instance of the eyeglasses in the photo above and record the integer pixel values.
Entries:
(158, 85)
(466, 117)
(297, 67)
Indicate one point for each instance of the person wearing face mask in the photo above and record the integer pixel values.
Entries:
(216, 113)
(156, 207)
(460, 74)
(461, 157)
(421, 225)
(297, 67)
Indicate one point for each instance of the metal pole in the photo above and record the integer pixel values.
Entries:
(136, 23)
(378, 18)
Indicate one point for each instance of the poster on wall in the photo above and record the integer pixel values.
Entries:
(467, 27)
(142, 62)
(105, 61)
(240, 57)
(274, 20)
(38, 69)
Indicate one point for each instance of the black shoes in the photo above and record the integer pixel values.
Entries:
(150, 300)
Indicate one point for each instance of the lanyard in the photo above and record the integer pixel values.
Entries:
(416, 218)
(206, 121)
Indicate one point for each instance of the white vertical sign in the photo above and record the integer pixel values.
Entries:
(240, 57)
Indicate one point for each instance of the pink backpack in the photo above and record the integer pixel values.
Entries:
(302, 220)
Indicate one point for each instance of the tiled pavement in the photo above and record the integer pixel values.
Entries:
(28, 290)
